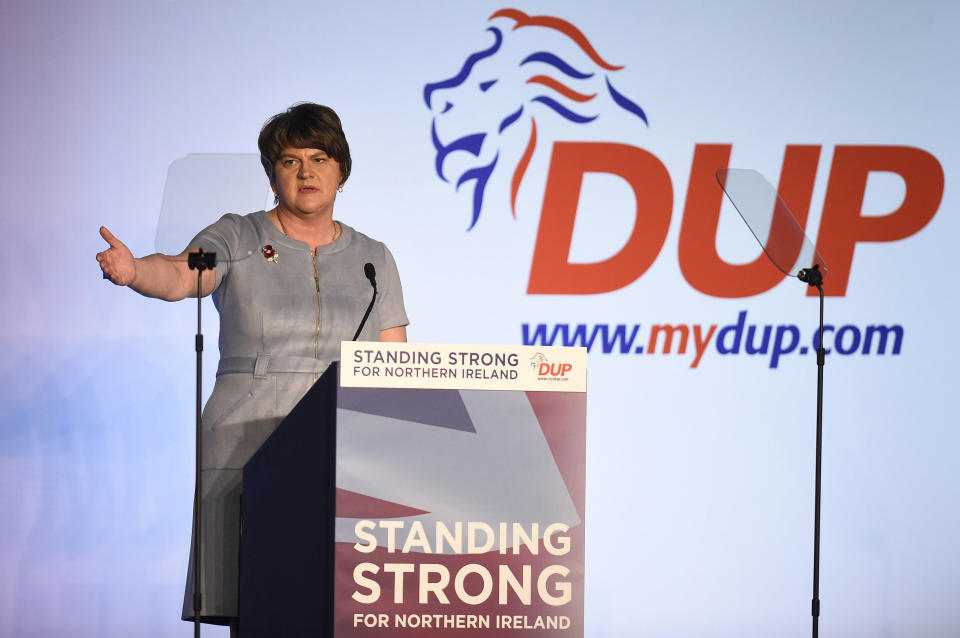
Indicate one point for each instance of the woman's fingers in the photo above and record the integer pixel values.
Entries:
(116, 262)
(110, 239)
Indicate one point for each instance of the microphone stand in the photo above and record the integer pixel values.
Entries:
(813, 277)
(198, 261)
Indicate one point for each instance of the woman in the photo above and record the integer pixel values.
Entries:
(289, 285)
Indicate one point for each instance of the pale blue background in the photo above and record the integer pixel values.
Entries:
(699, 480)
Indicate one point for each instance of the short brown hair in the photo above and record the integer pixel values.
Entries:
(304, 125)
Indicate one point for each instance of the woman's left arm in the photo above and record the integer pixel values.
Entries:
(394, 334)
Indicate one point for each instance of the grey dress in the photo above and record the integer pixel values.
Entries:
(280, 327)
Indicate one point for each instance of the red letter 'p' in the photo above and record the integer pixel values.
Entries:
(843, 226)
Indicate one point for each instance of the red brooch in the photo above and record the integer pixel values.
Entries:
(269, 253)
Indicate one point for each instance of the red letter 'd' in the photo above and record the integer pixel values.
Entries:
(842, 225)
(551, 272)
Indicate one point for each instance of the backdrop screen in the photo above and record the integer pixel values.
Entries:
(544, 174)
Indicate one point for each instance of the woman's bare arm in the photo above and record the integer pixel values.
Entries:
(394, 334)
(159, 276)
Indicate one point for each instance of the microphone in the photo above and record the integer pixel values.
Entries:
(371, 274)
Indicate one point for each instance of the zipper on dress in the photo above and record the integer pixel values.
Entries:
(316, 283)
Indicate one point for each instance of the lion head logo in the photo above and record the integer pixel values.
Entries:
(499, 91)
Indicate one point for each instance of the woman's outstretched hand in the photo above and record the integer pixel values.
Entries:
(116, 262)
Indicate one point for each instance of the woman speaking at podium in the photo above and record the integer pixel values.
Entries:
(290, 284)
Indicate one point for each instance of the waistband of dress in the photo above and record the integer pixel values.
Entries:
(264, 364)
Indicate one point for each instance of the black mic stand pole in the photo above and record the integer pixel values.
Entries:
(198, 261)
(813, 277)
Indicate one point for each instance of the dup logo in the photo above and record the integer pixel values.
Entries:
(541, 78)
(545, 369)
(514, 79)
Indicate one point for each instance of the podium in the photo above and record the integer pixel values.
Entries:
(422, 489)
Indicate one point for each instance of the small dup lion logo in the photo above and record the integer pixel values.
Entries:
(537, 359)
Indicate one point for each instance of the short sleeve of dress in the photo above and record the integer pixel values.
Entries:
(221, 237)
(390, 300)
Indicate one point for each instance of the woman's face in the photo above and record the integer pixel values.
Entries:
(306, 180)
